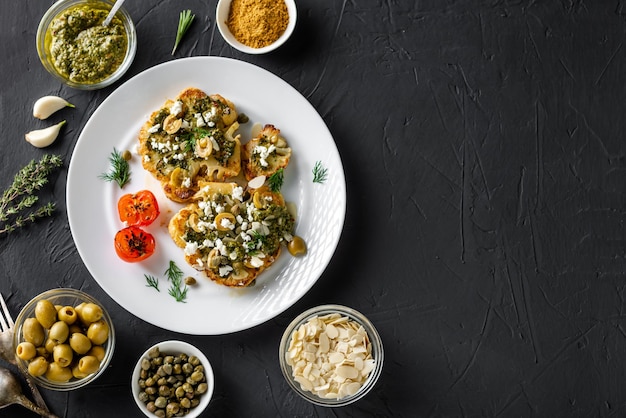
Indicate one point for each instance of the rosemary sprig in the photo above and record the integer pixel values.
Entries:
(275, 181)
(29, 179)
(177, 289)
(320, 173)
(184, 21)
(120, 169)
(152, 281)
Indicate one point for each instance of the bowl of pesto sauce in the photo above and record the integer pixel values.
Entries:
(76, 48)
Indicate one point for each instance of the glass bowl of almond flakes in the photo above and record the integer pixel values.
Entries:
(331, 355)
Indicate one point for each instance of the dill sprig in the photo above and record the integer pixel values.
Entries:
(20, 195)
(152, 282)
(275, 181)
(120, 169)
(184, 21)
(320, 173)
(177, 289)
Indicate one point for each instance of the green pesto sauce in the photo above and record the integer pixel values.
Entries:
(82, 49)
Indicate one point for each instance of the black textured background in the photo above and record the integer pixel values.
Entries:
(483, 146)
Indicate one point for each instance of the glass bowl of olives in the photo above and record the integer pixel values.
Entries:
(172, 378)
(64, 338)
(76, 47)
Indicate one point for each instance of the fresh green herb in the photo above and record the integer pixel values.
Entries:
(184, 21)
(320, 173)
(120, 169)
(275, 181)
(178, 290)
(29, 179)
(152, 281)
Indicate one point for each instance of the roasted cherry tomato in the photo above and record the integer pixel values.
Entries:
(134, 244)
(138, 209)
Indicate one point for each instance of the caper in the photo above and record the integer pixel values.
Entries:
(145, 364)
(160, 402)
(296, 246)
(185, 403)
(187, 368)
(180, 392)
(150, 406)
(171, 409)
(127, 155)
(190, 281)
(151, 390)
(194, 361)
(159, 413)
(197, 377)
(202, 388)
(143, 397)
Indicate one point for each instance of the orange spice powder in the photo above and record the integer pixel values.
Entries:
(257, 23)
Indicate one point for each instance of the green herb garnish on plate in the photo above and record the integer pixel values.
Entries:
(120, 169)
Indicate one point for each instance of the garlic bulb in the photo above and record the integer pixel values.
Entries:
(47, 105)
(43, 137)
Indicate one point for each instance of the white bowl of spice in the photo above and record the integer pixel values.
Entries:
(331, 355)
(256, 26)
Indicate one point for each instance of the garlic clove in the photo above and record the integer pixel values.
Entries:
(43, 137)
(47, 105)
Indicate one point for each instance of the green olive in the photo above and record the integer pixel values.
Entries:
(77, 373)
(26, 350)
(49, 345)
(63, 355)
(41, 351)
(68, 315)
(90, 313)
(80, 343)
(57, 373)
(59, 332)
(38, 366)
(88, 364)
(296, 246)
(98, 332)
(75, 328)
(32, 331)
(97, 351)
(46, 313)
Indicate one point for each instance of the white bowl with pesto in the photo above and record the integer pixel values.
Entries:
(221, 17)
(104, 64)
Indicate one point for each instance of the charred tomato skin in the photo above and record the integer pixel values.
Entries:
(133, 244)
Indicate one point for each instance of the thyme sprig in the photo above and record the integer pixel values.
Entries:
(275, 181)
(320, 173)
(178, 290)
(120, 169)
(184, 21)
(20, 195)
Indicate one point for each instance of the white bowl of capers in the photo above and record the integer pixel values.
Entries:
(172, 378)
(64, 338)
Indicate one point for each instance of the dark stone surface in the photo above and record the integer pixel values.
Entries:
(483, 146)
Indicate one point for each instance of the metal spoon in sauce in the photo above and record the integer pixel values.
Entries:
(114, 10)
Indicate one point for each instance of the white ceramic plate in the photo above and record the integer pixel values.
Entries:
(210, 309)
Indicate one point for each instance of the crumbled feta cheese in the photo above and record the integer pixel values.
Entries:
(238, 193)
(154, 129)
(216, 146)
(227, 224)
(219, 208)
(187, 182)
(239, 219)
(176, 108)
(264, 152)
(146, 158)
(184, 124)
(191, 248)
(224, 270)
(199, 120)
